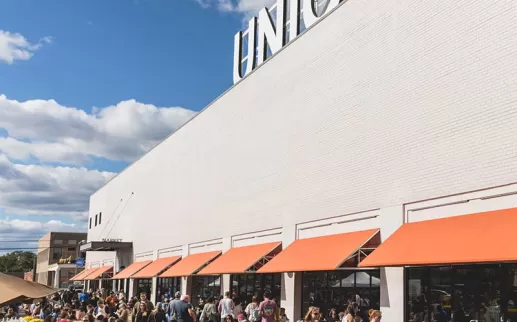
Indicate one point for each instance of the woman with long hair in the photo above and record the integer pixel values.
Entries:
(143, 313)
(375, 315)
(313, 315)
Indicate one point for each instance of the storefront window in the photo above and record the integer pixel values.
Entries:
(107, 284)
(336, 289)
(245, 286)
(168, 286)
(205, 287)
(144, 285)
(484, 293)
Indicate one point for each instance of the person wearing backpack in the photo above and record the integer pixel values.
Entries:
(209, 313)
(252, 310)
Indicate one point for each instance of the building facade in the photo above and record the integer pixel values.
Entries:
(57, 252)
(381, 115)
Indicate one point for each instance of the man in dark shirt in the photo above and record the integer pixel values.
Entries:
(184, 310)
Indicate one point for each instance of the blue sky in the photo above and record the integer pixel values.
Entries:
(88, 86)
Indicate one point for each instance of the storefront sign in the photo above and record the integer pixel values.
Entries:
(79, 262)
(111, 240)
(68, 260)
(273, 35)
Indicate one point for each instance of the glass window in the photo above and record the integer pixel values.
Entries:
(96, 217)
(336, 289)
(245, 286)
(144, 285)
(72, 242)
(205, 287)
(168, 287)
(90, 223)
(58, 242)
(461, 293)
(56, 253)
(100, 217)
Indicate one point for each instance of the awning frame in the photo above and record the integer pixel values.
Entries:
(262, 261)
(363, 251)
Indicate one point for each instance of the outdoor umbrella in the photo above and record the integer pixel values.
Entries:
(16, 290)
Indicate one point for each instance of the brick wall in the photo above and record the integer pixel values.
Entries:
(384, 102)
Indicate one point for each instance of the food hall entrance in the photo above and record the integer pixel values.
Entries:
(485, 293)
(245, 286)
(336, 289)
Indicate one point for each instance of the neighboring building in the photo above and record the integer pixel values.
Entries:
(387, 120)
(56, 257)
(29, 276)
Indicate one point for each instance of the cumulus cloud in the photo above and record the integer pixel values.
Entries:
(14, 46)
(23, 234)
(48, 131)
(45, 190)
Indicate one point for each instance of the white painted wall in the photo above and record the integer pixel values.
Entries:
(373, 107)
(382, 104)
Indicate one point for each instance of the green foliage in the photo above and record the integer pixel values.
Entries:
(19, 261)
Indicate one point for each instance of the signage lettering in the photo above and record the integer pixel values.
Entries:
(271, 34)
(111, 240)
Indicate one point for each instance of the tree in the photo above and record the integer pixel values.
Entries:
(19, 261)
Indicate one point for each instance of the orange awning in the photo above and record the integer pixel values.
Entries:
(97, 273)
(131, 270)
(476, 238)
(240, 259)
(85, 272)
(157, 267)
(323, 253)
(190, 264)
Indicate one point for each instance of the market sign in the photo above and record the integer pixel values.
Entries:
(111, 240)
(264, 35)
(67, 260)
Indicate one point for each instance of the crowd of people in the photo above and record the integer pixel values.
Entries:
(103, 306)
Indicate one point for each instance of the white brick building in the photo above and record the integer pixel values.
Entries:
(381, 110)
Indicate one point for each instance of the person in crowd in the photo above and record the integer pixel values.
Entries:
(225, 306)
(111, 301)
(333, 315)
(101, 309)
(158, 315)
(148, 304)
(199, 308)
(313, 315)
(228, 318)
(171, 308)
(64, 316)
(10, 314)
(184, 310)
(209, 313)
(283, 316)
(268, 308)
(142, 313)
(252, 310)
(237, 307)
(80, 313)
(242, 318)
(375, 315)
(123, 313)
(349, 314)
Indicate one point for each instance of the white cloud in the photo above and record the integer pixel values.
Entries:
(48, 131)
(14, 46)
(44, 190)
(247, 8)
(18, 234)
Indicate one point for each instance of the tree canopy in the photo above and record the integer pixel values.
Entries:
(19, 261)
